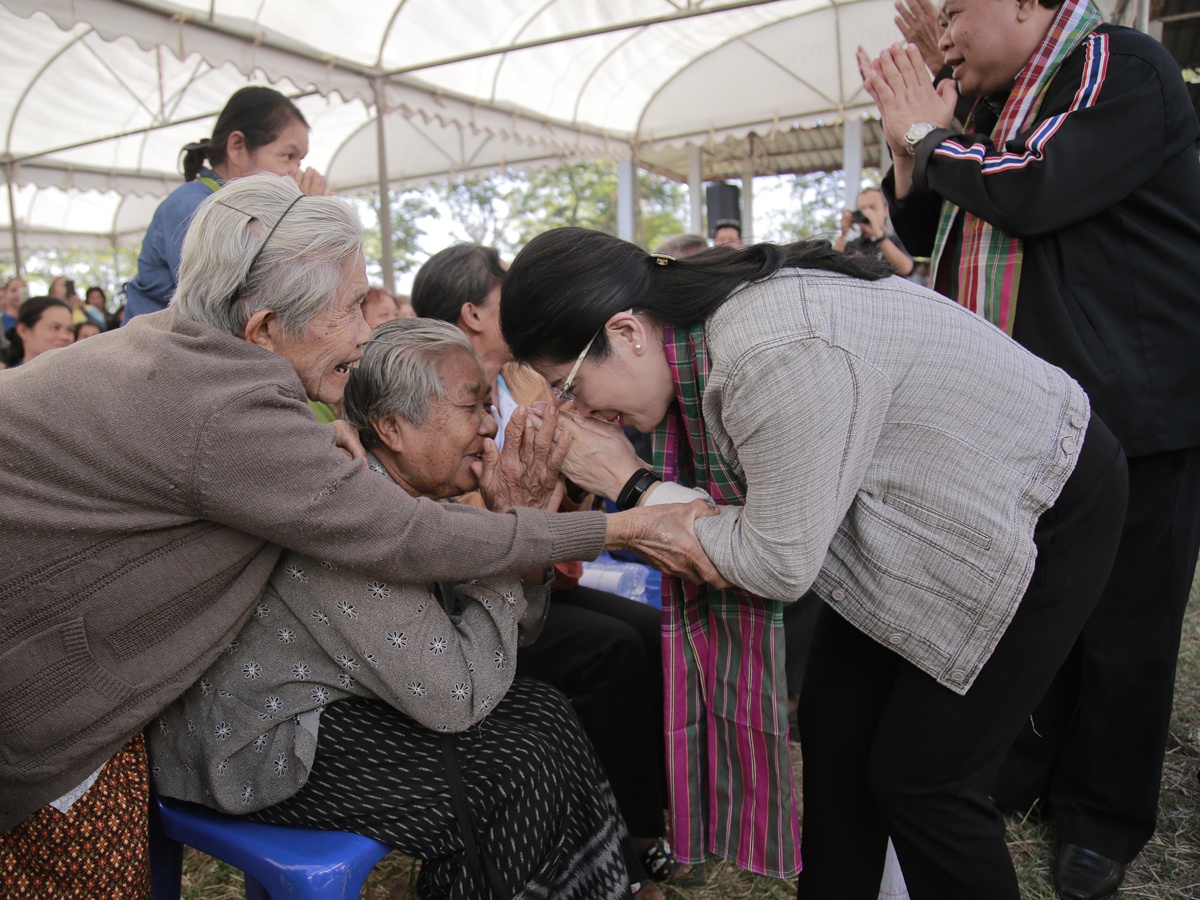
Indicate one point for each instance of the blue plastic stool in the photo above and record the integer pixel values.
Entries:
(278, 862)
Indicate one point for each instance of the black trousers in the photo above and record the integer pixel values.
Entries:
(605, 653)
(890, 752)
(1094, 750)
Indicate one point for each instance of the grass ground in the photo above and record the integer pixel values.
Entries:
(1168, 869)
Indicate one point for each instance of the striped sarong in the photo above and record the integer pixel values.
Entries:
(725, 699)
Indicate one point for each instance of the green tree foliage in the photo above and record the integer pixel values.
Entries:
(479, 207)
(506, 209)
(408, 208)
(585, 194)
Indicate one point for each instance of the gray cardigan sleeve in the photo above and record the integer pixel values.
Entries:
(801, 419)
(263, 465)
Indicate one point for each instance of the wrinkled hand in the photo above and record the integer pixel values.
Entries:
(346, 439)
(528, 471)
(312, 183)
(918, 22)
(665, 537)
(902, 89)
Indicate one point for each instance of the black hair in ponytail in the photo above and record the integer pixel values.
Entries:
(259, 113)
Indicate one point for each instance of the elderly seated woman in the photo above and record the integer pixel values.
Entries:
(334, 705)
(203, 464)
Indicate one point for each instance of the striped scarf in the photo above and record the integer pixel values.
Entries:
(989, 265)
(725, 701)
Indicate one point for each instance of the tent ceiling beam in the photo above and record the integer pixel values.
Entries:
(614, 28)
(134, 132)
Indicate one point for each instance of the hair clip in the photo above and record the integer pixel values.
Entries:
(662, 259)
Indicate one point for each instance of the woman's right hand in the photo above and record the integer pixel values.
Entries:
(665, 537)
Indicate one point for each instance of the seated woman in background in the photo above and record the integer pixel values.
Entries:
(95, 306)
(603, 650)
(43, 323)
(334, 705)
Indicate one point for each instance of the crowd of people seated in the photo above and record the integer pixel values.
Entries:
(32, 325)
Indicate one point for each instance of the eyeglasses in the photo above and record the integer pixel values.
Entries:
(564, 393)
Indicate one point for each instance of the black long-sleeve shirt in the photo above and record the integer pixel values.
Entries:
(1108, 207)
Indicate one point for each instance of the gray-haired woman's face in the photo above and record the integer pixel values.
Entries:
(324, 355)
(444, 457)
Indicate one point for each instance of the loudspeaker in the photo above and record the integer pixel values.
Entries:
(724, 202)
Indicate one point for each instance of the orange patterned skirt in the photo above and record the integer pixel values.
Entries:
(98, 848)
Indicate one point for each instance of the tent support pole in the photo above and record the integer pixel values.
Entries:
(626, 173)
(748, 202)
(385, 201)
(12, 218)
(852, 156)
(695, 189)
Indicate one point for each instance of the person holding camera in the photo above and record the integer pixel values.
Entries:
(874, 240)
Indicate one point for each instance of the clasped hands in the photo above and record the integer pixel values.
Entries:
(902, 89)
(529, 472)
(600, 459)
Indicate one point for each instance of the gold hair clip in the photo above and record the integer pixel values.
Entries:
(662, 259)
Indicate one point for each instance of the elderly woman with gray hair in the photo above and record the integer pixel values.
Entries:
(203, 463)
(398, 673)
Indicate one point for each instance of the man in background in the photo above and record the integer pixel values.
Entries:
(1067, 212)
(874, 239)
(728, 233)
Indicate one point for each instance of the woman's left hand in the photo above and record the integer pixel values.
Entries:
(601, 458)
(528, 471)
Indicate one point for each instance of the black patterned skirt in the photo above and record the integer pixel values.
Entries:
(542, 810)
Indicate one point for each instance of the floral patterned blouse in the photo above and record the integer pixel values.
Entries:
(245, 735)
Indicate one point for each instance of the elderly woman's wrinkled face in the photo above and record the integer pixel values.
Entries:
(324, 355)
(444, 457)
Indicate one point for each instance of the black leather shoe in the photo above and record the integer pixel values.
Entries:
(1082, 874)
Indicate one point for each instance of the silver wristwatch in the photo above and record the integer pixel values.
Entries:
(915, 134)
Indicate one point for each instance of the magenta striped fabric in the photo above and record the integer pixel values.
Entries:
(728, 759)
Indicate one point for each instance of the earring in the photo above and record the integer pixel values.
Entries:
(637, 346)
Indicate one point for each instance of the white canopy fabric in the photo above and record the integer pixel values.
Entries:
(100, 95)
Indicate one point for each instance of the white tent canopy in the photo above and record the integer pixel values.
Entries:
(100, 95)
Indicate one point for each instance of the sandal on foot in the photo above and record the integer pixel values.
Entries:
(662, 865)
